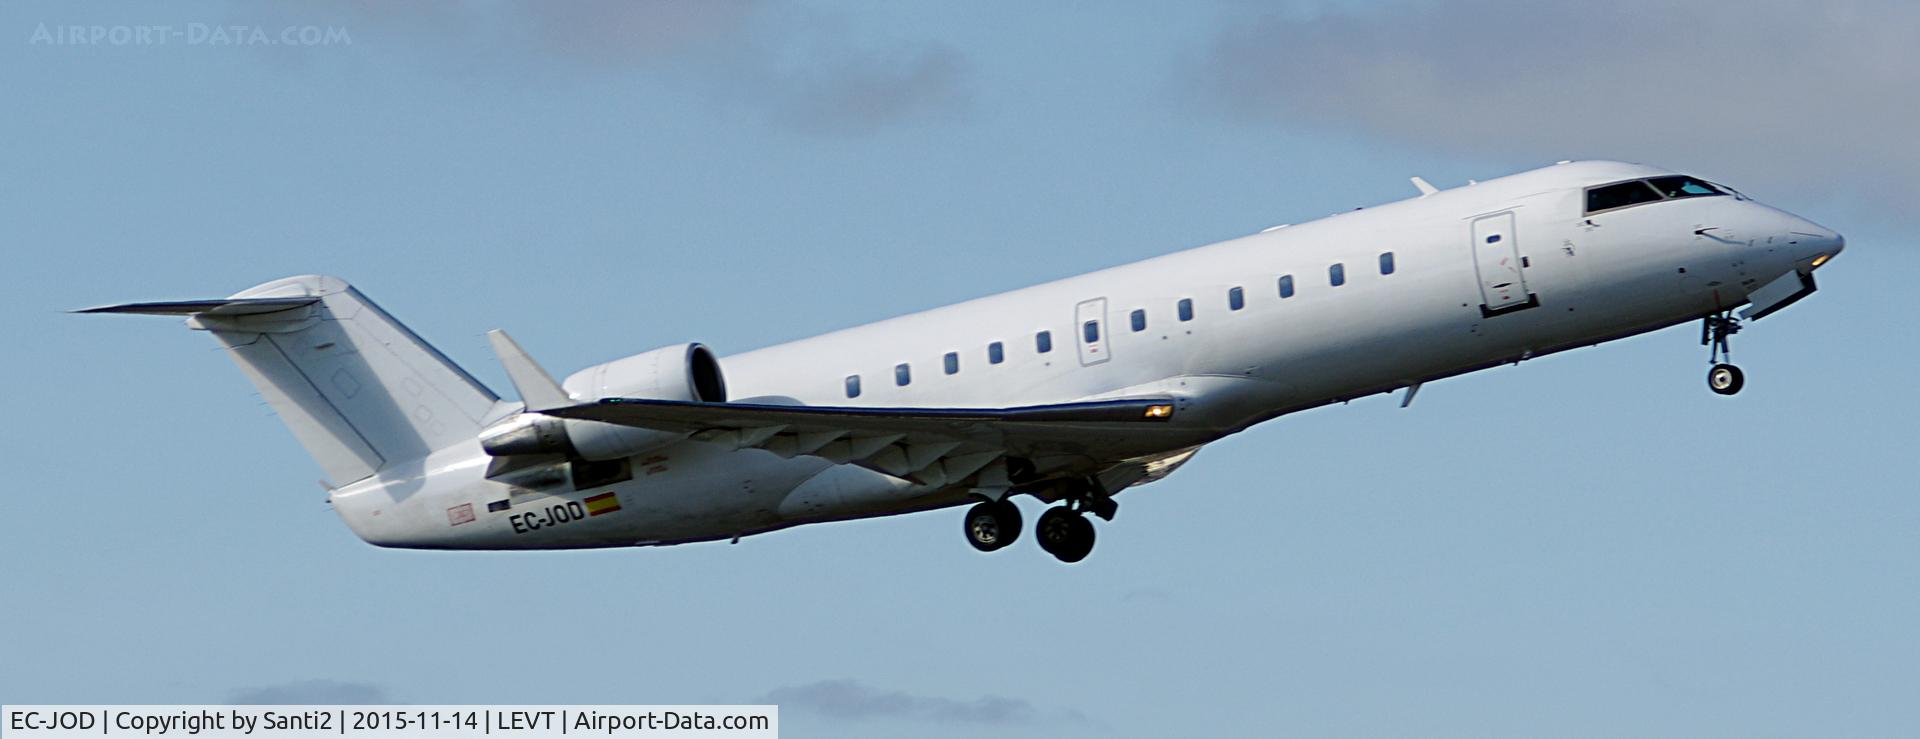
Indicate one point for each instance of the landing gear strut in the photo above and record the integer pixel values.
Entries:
(1724, 378)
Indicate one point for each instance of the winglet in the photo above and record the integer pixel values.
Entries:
(1426, 188)
(537, 388)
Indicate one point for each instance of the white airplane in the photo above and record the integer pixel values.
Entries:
(1070, 391)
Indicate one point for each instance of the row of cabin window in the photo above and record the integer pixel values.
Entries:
(996, 353)
(1043, 341)
(1237, 296)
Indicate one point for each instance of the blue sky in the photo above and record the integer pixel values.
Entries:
(601, 179)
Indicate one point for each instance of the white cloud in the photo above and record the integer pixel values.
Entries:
(1768, 94)
(800, 68)
(871, 90)
(851, 700)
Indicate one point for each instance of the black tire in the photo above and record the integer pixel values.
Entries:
(1054, 530)
(1725, 379)
(985, 526)
(1081, 542)
(1011, 522)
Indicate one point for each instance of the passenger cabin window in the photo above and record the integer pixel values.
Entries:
(1337, 274)
(996, 353)
(1286, 286)
(1186, 309)
(1236, 299)
(1620, 195)
(1090, 330)
(853, 386)
(1139, 319)
(953, 363)
(1386, 262)
(902, 374)
(1043, 342)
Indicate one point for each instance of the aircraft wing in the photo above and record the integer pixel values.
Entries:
(928, 446)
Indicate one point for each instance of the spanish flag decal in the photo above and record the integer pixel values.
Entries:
(602, 503)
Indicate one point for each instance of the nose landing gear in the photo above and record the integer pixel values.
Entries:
(1723, 378)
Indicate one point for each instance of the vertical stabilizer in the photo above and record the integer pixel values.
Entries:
(357, 388)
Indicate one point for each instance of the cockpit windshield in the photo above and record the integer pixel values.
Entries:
(1621, 195)
(1682, 186)
(1652, 190)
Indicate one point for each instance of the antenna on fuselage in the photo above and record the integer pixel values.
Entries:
(1426, 188)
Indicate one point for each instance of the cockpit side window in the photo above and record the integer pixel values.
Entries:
(1681, 186)
(1620, 195)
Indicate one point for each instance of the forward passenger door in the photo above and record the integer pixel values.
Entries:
(1090, 324)
(1498, 264)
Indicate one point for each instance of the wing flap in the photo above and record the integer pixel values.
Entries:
(928, 446)
(694, 417)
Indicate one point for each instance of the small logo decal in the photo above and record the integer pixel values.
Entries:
(602, 503)
(460, 514)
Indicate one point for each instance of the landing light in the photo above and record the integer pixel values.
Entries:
(1159, 411)
(1822, 259)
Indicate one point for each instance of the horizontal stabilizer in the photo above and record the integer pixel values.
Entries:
(221, 307)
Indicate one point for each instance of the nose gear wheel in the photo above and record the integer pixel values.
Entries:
(1723, 378)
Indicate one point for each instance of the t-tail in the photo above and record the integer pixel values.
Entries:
(358, 389)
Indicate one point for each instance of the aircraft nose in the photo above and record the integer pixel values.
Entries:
(1810, 241)
(1827, 240)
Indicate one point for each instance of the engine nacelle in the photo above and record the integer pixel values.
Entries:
(679, 372)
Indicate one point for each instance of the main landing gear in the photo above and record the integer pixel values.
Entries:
(1724, 378)
(1065, 534)
(1063, 531)
(993, 525)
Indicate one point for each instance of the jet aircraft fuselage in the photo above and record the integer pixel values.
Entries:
(1068, 391)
